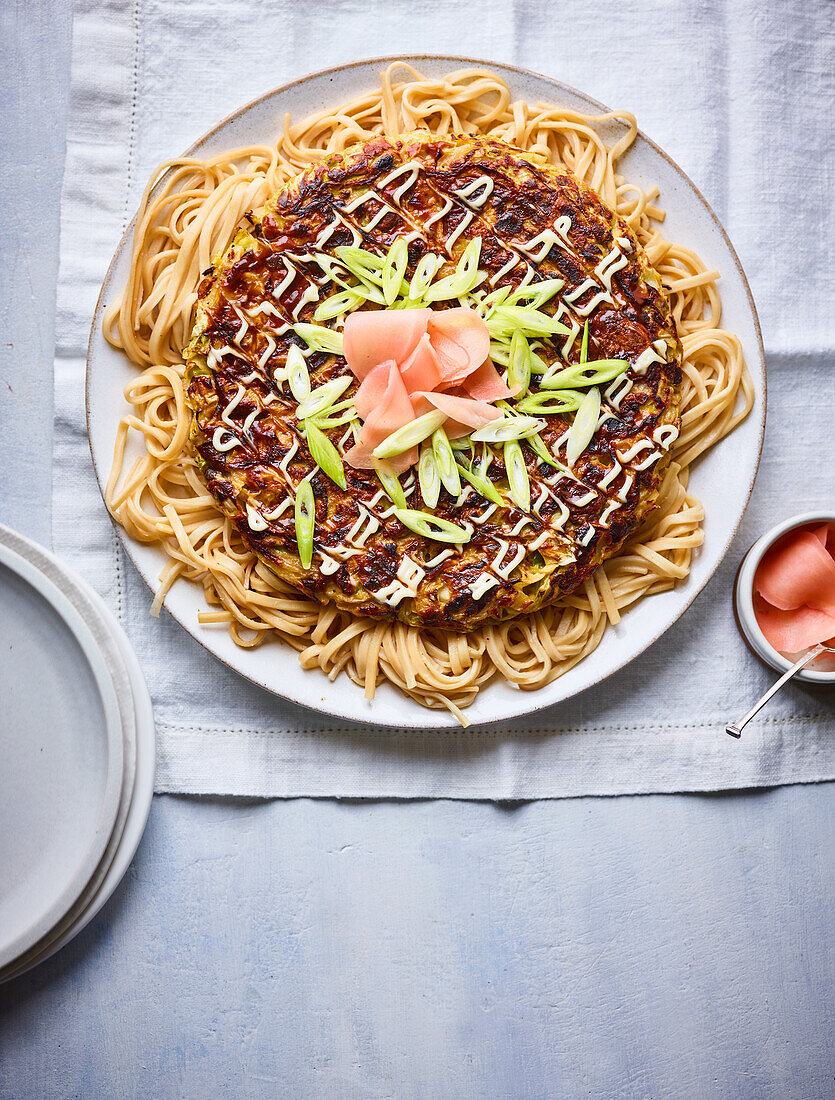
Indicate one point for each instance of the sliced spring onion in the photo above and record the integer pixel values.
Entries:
(517, 475)
(324, 454)
(429, 478)
(464, 443)
(298, 377)
(305, 522)
(584, 347)
(595, 373)
(409, 435)
(432, 527)
(500, 352)
(538, 446)
(519, 364)
(323, 398)
(337, 304)
(337, 273)
(481, 483)
(486, 460)
(536, 294)
(445, 462)
(506, 428)
(360, 262)
(394, 269)
(393, 488)
(505, 320)
(549, 403)
(343, 412)
(423, 276)
(319, 338)
(583, 426)
(466, 276)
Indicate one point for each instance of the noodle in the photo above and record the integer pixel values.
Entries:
(190, 212)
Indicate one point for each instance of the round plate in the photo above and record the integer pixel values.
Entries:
(63, 754)
(139, 741)
(137, 808)
(689, 219)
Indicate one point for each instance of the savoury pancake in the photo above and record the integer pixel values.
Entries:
(533, 224)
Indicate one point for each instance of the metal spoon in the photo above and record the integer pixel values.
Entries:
(736, 729)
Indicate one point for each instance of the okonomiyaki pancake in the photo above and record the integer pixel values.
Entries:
(458, 516)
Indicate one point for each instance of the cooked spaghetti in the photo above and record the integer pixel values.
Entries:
(190, 214)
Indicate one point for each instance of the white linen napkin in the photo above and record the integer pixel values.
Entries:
(738, 96)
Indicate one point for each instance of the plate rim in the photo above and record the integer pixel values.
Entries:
(108, 813)
(440, 719)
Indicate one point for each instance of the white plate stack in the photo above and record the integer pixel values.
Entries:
(76, 754)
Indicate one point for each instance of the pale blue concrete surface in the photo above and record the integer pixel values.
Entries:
(665, 946)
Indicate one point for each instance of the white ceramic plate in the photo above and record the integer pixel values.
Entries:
(689, 219)
(136, 809)
(139, 753)
(62, 748)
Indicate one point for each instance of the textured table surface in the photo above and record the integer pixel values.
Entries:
(665, 946)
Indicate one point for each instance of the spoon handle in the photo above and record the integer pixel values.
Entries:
(735, 730)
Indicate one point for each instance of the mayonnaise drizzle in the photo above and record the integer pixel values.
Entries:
(254, 518)
(482, 585)
(406, 584)
(233, 404)
(221, 444)
(586, 537)
(639, 445)
(610, 476)
(651, 458)
(665, 435)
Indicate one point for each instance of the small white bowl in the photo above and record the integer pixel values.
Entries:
(744, 600)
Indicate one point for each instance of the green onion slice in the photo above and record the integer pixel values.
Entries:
(409, 435)
(595, 373)
(429, 478)
(323, 398)
(540, 449)
(423, 276)
(506, 428)
(505, 320)
(486, 459)
(445, 462)
(336, 272)
(337, 304)
(584, 347)
(583, 426)
(394, 269)
(536, 294)
(319, 338)
(343, 412)
(393, 488)
(481, 483)
(517, 475)
(305, 522)
(298, 376)
(362, 263)
(466, 277)
(550, 402)
(325, 454)
(519, 364)
(432, 527)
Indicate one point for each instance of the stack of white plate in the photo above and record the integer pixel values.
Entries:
(76, 754)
